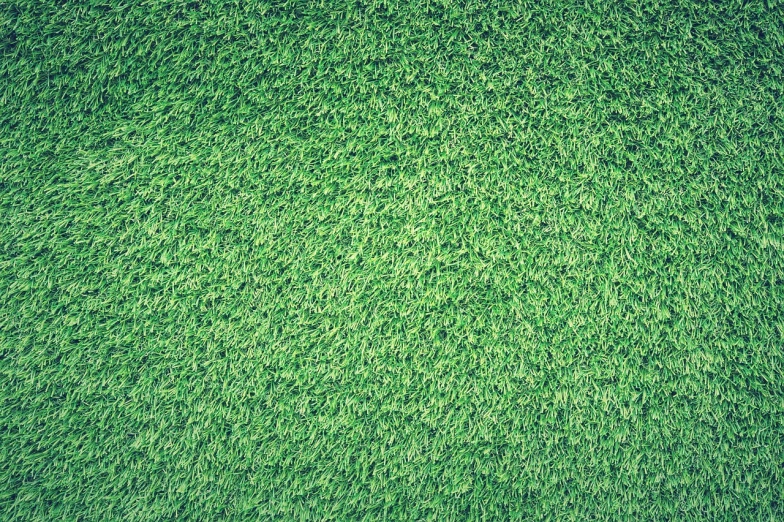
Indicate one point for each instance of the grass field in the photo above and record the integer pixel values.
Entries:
(423, 260)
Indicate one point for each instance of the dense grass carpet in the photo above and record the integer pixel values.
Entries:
(420, 260)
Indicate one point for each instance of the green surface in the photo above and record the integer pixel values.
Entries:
(421, 261)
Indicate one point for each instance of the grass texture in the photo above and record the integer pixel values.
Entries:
(423, 260)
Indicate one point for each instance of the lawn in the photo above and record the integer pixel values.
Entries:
(424, 260)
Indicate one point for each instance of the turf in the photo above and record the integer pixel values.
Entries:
(421, 260)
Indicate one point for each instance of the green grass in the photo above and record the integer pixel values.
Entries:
(405, 261)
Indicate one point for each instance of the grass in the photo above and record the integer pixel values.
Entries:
(406, 261)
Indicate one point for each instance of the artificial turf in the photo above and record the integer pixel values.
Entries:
(418, 260)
